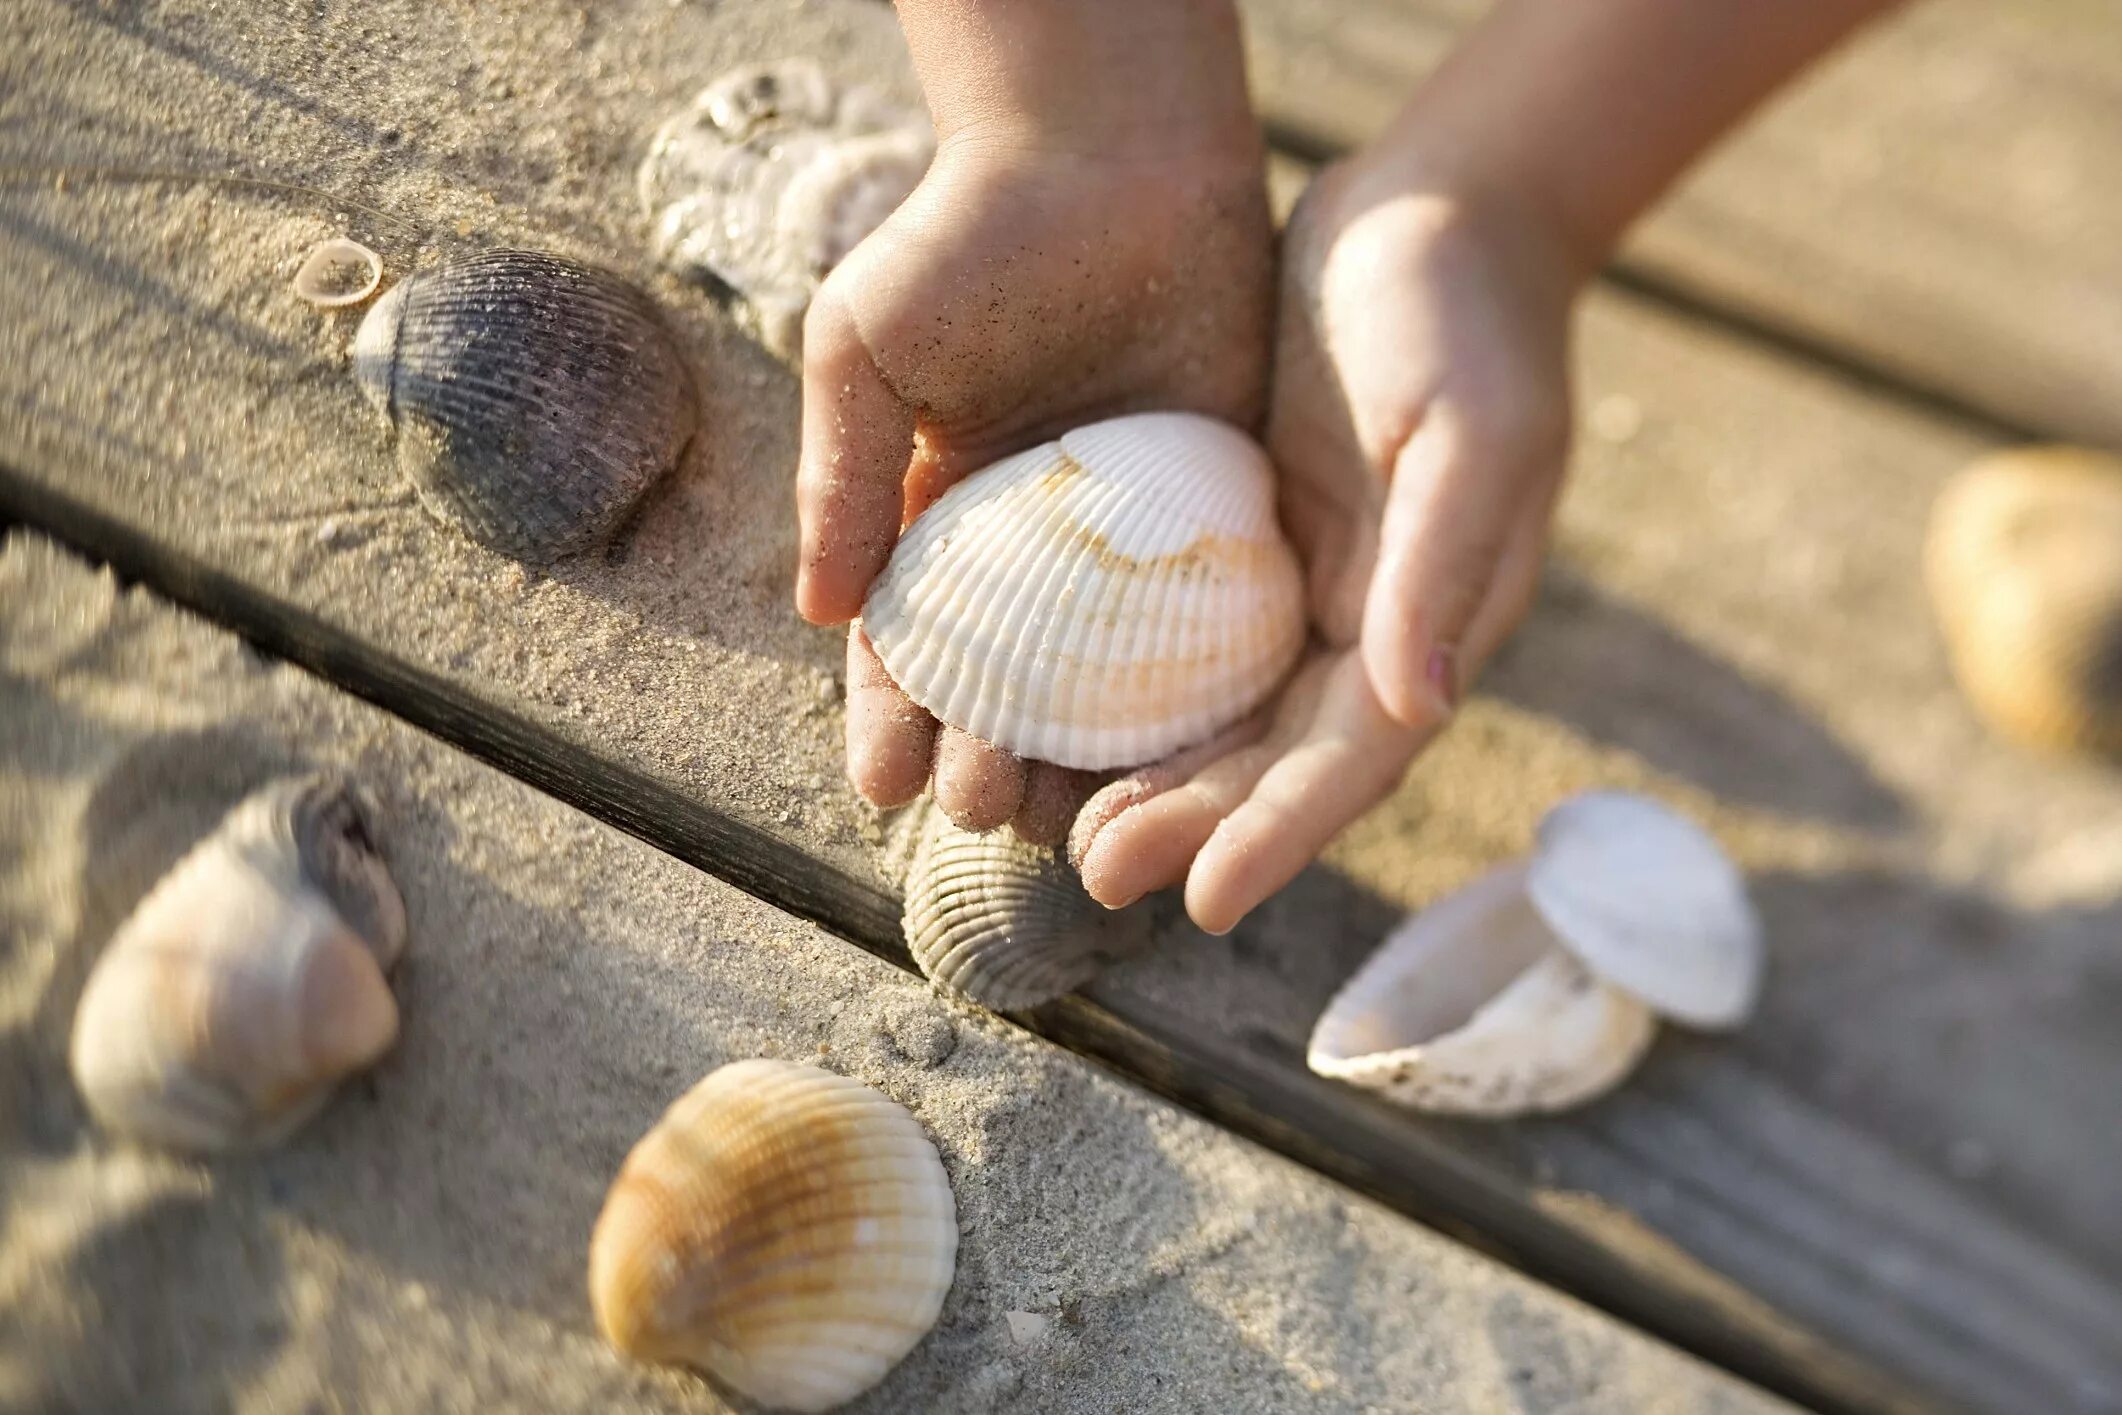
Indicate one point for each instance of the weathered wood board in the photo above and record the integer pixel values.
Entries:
(421, 1246)
(1896, 1181)
(1936, 203)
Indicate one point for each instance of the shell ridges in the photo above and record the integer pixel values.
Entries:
(1101, 600)
(786, 1230)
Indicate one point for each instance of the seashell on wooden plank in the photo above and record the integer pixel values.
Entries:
(250, 980)
(1005, 923)
(787, 1231)
(1472, 1008)
(771, 177)
(1099, 601)
(1648, 902)
(535, 399)
(337, 273)
(2024, 565)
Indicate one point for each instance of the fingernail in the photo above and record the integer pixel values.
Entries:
(1444, 678)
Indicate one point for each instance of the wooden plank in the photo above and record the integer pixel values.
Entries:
(1191, 1269)
(1934, 204)
(185, 419)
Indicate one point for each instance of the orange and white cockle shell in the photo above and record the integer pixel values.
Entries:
(1102, 600)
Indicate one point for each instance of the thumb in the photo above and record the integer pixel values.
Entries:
(1459, 492)
(858, 437)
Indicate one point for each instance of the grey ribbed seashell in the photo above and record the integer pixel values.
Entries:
(1005, 923)
(770, 177)
(535, 399)
(249, 980)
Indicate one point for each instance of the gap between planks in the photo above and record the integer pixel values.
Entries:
(1272, 1102)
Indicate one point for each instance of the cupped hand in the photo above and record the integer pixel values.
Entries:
(1419, 419)
(1019, 291)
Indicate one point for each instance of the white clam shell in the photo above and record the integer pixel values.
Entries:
(786, 1230)
(1646, 899)
(771, 177)
(1099, 601)
(1007, 924)
(248, 981)
(1471, 1008)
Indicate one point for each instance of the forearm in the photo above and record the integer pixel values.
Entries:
(1091, 78)
(1591, 110)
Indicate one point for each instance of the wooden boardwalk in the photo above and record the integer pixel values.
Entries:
(1894, 1191)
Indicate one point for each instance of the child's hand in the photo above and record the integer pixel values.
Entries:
(1420, 418)
(1057, 265)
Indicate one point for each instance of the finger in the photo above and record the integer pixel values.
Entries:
(1052, 796)
(978, 785)
(858, 436)
(1351, 754)
(891, 741)
(1141, 833)
(1458, 489)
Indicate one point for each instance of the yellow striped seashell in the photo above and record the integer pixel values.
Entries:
(2024, 563)
(1099, 601)
(785, 1230)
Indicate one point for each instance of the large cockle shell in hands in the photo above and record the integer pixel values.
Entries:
(1005, 923)
(771, 177)
(1536, 987)
(535, 399)
(785, 1230)
(1099, 601)
(250, 980)
(2025, 568)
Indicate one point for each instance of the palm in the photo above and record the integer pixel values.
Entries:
(1005, 302)
(1418, 383)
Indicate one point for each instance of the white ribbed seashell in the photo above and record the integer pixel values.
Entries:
(249, 980)
(785, 1230)
(1005, 923)
(771, 177)
(2024, 563)
(1536, 987)
(1099, 601)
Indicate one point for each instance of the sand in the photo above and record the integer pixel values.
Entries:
(1941, 909)
(420, 1246)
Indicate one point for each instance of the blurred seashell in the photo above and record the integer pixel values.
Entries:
(2024, 561)
(1098, 601)
(771, 177)
(785, 1230)
(1469, 1008)
(535, 399)
(1005, 923)
(250, 980)
(1536, 987)
(1647, 900)
(338, 272)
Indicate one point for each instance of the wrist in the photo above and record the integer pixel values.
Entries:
(1119, 82)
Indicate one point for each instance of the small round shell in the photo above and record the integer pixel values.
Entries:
(1007, 924)
(1471, 1008)
(1646, 900)
(771, 177)
(1099, 601)
(338, 272)
(535, 399)
(2024, 562)
(785, 1230)
(249, 981)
